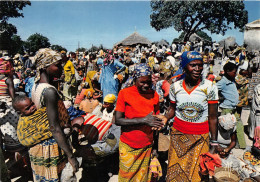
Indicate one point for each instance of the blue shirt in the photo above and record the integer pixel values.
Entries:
(229, 91)
(109, 85)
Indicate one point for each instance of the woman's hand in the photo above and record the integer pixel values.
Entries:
(162, 118)
(74, 162)
(154, 122)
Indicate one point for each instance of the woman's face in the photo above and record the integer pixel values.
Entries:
(55, 70)
(143, 84)
(194, 69)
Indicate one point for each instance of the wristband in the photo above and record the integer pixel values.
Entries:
(213, 141)
(214, 144)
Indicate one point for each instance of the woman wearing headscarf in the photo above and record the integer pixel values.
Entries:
(194, 105)
(8, 116)
(135, 108)
(49, 156)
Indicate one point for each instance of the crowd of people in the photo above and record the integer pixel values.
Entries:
(58, 106)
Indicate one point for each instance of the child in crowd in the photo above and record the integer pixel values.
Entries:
(230, 97)
(89, 103)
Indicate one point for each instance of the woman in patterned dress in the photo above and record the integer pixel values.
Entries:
(134, 109)
(194, 105)
(48, 157)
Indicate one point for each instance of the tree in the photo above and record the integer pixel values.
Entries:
(35, 42)
(9, 9)
(194, 16)
(202, 34)
(17, 45)
(58, 48)
(81, 49)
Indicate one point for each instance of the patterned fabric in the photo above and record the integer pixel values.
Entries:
(38, 92)
(44, 58)
(254, 117)
(242, 85)
(192, 106)
(101, 124)
(255, 80)
(140, 70)
(47, 161)
(5, 66)
(155, 169)
(133, 163)
(3, 87)
(184, 153)
(8, 124)
(34, 129)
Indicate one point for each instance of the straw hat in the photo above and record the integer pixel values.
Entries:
(163, 142)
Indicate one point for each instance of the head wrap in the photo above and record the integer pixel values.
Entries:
(44, 58)
(186, 58)
(110, 98)
(5, 66)
(89, 93)
(141, 69)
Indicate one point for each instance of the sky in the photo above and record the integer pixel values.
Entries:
(74, 24)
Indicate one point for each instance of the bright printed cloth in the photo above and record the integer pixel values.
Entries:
(192, 106)
(101, 124)
(134, 163)
(183, 159)
(242, 84)
(47, 161)
(34, 129)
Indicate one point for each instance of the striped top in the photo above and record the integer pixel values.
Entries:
(101, 124)
(3, 87)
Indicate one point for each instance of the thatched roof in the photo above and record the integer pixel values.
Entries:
(195, 37)
(162, 43)
(230, 41)
(134, 39)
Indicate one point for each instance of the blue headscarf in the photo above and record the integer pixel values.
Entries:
(141, 69)
(186, 58)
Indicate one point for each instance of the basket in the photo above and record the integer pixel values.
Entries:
(223, 174)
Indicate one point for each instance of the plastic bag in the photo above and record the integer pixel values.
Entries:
(227, 121)
(67, 174)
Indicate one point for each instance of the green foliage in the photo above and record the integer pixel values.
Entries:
(93, 49)
(35, 42)
(17, 45)
(194, 16)
(81, 49)
(202, 34)
(58, 48)
(9, 9)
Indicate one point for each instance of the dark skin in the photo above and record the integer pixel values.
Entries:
(193, 72)
(10, 85)
(223, 152)
(143, 85)
(51, 98)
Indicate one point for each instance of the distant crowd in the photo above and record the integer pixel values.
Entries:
(142, 105)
